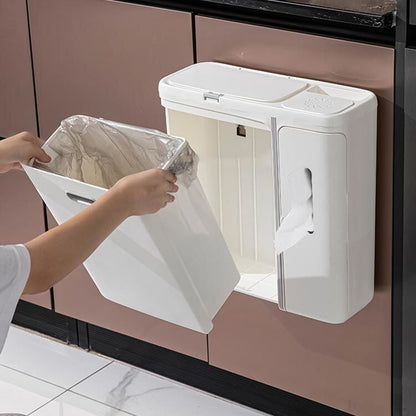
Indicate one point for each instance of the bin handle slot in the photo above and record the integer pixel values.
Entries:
(80, 199)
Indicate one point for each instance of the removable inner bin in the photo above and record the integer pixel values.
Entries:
(173, 264)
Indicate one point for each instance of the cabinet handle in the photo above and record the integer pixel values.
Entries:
(80, 199)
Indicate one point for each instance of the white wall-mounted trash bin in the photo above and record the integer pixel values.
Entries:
(289, 168)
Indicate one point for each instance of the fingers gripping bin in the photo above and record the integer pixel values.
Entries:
(289, 168)
(174, 264)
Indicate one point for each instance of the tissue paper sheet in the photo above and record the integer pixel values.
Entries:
(298, 223)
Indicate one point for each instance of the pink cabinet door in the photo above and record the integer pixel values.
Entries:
(105, 59)
(21, 210)
(344, 366)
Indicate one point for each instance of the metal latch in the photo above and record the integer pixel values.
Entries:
(212, 96)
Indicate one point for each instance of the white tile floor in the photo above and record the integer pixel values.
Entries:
(42, 377)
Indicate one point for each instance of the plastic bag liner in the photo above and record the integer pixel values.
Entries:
(100, 152)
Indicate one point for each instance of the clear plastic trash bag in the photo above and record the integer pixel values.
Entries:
(100, 152)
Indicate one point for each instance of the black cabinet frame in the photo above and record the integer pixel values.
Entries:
(404, 215)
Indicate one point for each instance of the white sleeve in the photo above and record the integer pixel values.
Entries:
(14, 272)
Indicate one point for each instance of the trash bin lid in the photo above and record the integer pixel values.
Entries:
(237, 82)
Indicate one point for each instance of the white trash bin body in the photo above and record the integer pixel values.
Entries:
(173, 265)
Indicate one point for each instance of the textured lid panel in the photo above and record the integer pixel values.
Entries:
(317, 103)
(237, 82)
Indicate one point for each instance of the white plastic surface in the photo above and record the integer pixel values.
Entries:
(173, 265)
(237, 82)
(237, 176)
(328, 129)
(309, 102)
(318, 264)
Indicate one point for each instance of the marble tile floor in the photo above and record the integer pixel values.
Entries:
(43, 377)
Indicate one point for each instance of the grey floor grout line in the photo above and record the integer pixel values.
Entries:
(54, 384)
(65, 390)
(85, 397)
(49, 401)
(85, 378)
(30, 375)
(91, 398)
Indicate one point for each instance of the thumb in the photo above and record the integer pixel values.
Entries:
(42, 156)
(17, 165)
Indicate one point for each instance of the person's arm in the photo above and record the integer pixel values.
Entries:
(57, 252)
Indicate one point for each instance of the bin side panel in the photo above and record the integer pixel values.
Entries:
(139, 265)
(94, 308)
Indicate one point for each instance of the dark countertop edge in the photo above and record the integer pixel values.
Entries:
(368, 28)
(314, 12)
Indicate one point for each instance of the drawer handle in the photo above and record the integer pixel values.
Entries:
(80, 199)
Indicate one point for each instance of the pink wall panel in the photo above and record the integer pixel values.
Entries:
(17, 104)
(21, 212)
(105, 59)
(345, 366)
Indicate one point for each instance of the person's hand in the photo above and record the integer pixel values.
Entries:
(22, 146)
(145, 192)
(72, 242)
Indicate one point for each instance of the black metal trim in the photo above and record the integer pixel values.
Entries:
(310, 11)
(194, 47)
(404, 218)
(397, 272)
(32, 68)
(83, 335)
(297, 17)
(46, 321)
(171, 364)
(404, 273)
